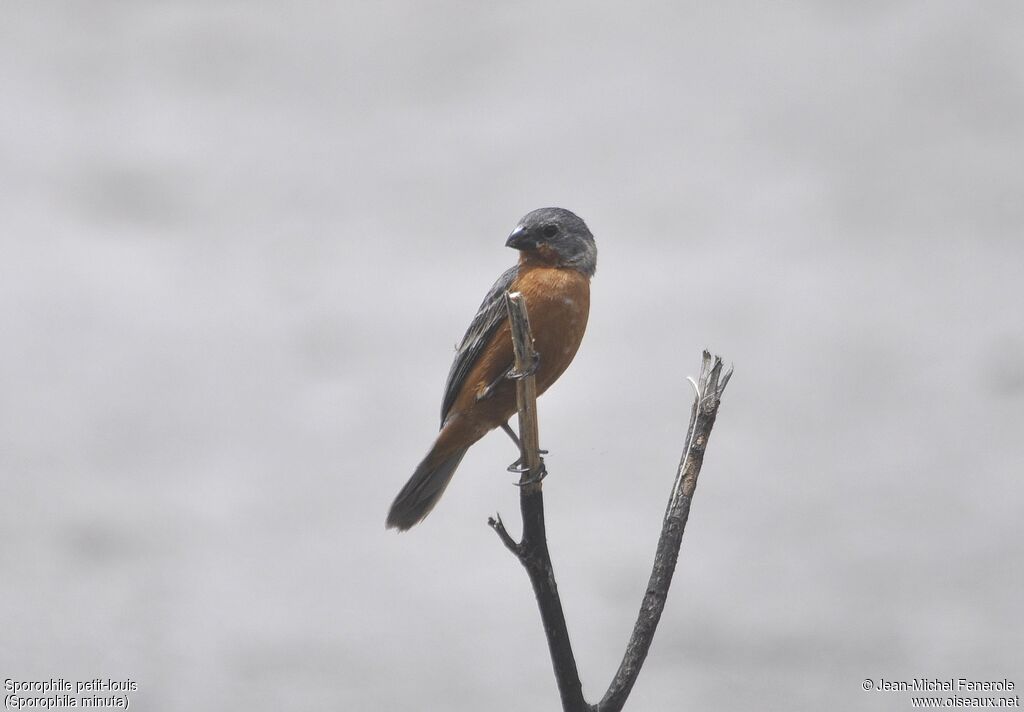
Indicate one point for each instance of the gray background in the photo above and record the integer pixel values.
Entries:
(240, 240)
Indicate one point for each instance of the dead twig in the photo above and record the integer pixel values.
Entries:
(532, 550)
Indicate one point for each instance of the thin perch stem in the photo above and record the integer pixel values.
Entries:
(532, 551)
(711, 384)
(526, 387)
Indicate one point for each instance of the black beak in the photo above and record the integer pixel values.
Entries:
(521, 239)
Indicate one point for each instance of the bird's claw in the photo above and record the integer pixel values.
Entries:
(518, 468)
(542, 472)
(514, 375)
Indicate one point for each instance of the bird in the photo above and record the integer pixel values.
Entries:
(557, 258)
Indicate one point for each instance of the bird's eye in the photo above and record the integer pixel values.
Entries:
(550, 230)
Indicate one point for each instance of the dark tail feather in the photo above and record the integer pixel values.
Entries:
(422, 491)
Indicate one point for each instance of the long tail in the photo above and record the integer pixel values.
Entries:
(423, 489)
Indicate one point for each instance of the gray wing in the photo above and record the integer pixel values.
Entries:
(490, 314)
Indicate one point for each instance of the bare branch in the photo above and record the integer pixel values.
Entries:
(498, 526)
(532, 551)
(711, 385)
(526, 359)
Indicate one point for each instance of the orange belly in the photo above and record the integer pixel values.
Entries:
(558, 302)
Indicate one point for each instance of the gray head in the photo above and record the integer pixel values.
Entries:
(557, 236)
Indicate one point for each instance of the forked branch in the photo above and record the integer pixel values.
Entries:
(532, 550)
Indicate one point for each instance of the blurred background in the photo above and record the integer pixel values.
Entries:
(240, 241)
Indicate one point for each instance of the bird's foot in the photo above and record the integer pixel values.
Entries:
(514, 375)
(518, 468)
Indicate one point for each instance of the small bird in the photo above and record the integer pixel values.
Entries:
(557, 258)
